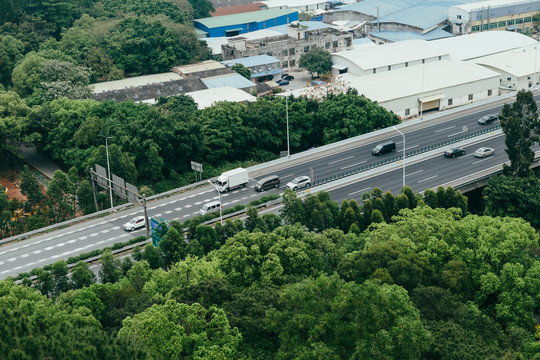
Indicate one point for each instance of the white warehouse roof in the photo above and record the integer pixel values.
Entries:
(405, 82)
(466, 47)
(392, 53)
(206, 98)
(480, 5)
(518, 62)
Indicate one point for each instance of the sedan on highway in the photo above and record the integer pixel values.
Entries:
(484, 151)
(488, 119)
(135, 223)
(453, 152)
(299, 182)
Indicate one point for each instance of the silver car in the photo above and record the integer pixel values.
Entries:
(299, 183)
(484, 151)
(135, 223)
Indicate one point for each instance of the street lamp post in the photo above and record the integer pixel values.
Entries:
(422, 98)
(220, 205)
(535, 57)
(287, 116)
(402, 160)
(109, 169)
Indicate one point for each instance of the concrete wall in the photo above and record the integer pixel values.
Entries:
(346, 15)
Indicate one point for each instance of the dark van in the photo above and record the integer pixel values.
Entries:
(384, 148)
(267, 183)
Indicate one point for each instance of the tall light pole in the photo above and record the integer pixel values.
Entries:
(402, 160)
(287, 116)
(535, 57)
(220, 205)
(109, 169)
(422, 98)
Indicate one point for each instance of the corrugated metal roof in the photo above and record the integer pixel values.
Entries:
(251, 61)
(198, 67)
(243, 18)
(395, 36)
(479, 5)
(518, 62)
(206, 98)
(292, 4)
(134, 82)
(237, 9)
(233, 80)
(386, 7)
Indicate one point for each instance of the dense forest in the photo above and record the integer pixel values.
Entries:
(391, 278)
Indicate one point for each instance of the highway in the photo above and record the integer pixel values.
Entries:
(430, 172)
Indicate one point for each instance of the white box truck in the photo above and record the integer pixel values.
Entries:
(232, 179)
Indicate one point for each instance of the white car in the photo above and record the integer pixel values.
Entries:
(299, 183)
(135, 223)
(484, 151)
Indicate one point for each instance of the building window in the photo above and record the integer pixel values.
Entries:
(440, 57)
(269, 53)
(306, 48)
(450, 102)
(291, 51)
(423, 61)
(510, 22)
(407, 112)
(493, 25)
(519, 21)
(502, 23)
(459, 16)
(335, 44)
(528, 19)
(475, 28)
(284, 64)
(485, 26)
(348, 42)
(284, 52)
(389, 67)
(406, 64)
(292, 63)
(470, 97)
(508, 78)
(490, 92)
(374, 71)
(327, 45)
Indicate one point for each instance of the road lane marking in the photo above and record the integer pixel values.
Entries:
(49, 248)
(168, 211)
(411, 147)
(36, 252)
(413, 173)
(356, 192)
(426, 179)
(178, 209)
(24, 255)
(461, 132)
(12, 259)
(448, 128)
(188, 206)
(336, 161)
(484, 159)
(348, 166)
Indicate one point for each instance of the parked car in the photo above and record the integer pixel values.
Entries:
(135, 223)
(299, 182)
(488, 119)
(453, 152)
(484, 151)
(282, 82)
(287, 77)
(384, 148)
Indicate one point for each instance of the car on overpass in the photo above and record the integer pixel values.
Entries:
(453, 152)
(484, 151)
(299, 183)
(135, 223)
(488, 119)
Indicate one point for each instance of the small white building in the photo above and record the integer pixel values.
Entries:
(518, 68)
(208, 97)
(299, 5)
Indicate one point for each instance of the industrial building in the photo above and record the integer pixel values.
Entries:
(235, 24)
(208, 97)
(262, 67)
(492, 15)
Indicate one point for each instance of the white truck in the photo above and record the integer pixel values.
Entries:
(232, 179)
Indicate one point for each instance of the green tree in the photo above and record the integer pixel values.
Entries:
(110, 268)
(201, 8)
(515, 197)
(316, 61)
(31, 188)
(152, 256)
(521, 125)
(293, 210)
(176, 330)
(82, 276)
(11, 52)
(242, 70)
(59, 271)
(172, 247)
(253, 221)
(14, 115)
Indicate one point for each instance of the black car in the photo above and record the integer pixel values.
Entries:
(282, 82)
(453, 152)
(384, 148)
(488, 119)
(287, 77)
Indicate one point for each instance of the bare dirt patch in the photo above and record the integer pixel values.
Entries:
(11, 180)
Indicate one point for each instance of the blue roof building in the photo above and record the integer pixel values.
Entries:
(261, 66)
(235, 24)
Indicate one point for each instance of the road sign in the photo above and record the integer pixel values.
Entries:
(196, 166)
(159, 228)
